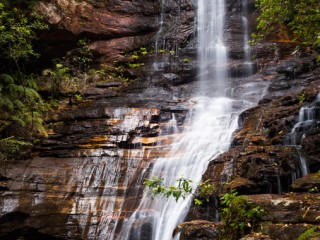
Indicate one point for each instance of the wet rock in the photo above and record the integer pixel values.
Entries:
(204, 230)
(171, 77)
(279, 85)
(289, 208)
(108, 84)
(310, 146)
(141, 229)
(308, 183)
(242, 186)
(242, 69)
(288, 231)
(257, 236)
(294, 68)
(98, 93)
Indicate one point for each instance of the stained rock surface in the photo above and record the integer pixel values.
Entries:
(86, 175)
(117, 27)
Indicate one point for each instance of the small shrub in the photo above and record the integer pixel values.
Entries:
(302, 98)
(186, 60)
(135, 65)
(238, 215)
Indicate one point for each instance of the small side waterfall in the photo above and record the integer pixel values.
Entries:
(308, 116)
(160, 43)
(246, 46)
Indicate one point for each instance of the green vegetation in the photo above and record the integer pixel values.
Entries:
(141, 52)
(20, 103)
(302, 98)
(290, 20)
(69, 73)
(313, 190)
(160, 51)
(239, 216)
(114, 72)
(186, 60)
(237, 213)
(135, 65)
(182, 189)
(311, 233)
(135, 56)
(17, 31)
(21, 120)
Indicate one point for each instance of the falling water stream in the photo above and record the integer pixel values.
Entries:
(308, 116)
(209, 128)
(246, 46)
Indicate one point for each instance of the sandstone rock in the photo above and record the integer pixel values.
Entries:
(257, 236)
(287, 231)
(98, 93)
(279, 85)
(204, 230)
(289, 208)
(117, 27)
(310, 182)
(81, 165)
(108, 84)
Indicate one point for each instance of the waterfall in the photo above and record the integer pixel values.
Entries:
(209, 128)
(308, 116)
(160, 43)
(246, 46)
(212, 52)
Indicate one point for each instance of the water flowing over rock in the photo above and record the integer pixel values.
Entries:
(210, 127)
(177, 119)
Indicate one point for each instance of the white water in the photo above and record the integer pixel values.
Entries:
(212, 53)
(160, 43)
(246, 46)
(308, 116)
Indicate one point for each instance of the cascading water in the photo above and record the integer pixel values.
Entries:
(246, 46)
(160, 43)
(209, 126)
(308, 116)
(212, 53)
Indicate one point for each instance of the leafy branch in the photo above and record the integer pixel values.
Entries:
(182, 189)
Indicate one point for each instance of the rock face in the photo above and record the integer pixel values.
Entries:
(86, 177)
(117, 27)
(77, 184)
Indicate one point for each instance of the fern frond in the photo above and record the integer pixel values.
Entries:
(6, 79)
(18, 120)
(12, 145)
(38, 126)
(15, 90)
(48, 72)
(31, 83)
(32, 95)
(7, 103)
(4, 124)
(18, 104)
